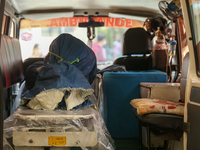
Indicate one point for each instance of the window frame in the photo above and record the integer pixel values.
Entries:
(193, 38)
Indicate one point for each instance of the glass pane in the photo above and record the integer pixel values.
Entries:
(36, 36)
(194, 10)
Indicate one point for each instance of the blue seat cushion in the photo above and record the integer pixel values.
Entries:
(119, 89)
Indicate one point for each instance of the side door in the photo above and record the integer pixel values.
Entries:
(191, 15)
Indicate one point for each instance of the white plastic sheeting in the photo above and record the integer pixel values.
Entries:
(83, 128)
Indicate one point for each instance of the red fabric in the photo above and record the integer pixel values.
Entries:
(146, 106)
(99, 52)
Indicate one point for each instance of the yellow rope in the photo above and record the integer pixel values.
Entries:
(61, 59)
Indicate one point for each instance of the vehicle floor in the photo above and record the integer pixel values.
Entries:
(125, 144)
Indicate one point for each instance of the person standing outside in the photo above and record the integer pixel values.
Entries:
(98, 48)
(37, 51)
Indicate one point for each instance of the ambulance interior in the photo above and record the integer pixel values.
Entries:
(96, 75)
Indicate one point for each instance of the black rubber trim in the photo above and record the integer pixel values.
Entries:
(193, 135)
(195, 95)
(159, 120)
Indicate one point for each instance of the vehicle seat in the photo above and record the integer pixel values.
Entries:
(136, 41)
(10, 61)
(11, 72)
(162, 120)
(29, 61)
(120, 87)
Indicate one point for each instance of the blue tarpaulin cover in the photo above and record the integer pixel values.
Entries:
(69, 64)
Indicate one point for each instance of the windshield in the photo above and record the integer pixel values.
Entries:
(36, 36)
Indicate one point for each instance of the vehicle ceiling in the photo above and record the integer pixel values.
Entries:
(122, 8)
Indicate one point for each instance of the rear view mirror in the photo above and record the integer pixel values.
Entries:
(91, 24)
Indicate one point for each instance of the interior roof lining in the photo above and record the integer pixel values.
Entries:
(133, 8)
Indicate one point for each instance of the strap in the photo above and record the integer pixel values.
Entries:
(62, 59)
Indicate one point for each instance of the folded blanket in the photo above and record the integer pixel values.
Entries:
(146, 106)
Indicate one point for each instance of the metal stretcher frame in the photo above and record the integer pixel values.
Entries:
(44, 135)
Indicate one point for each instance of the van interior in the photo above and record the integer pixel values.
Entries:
(107, 74)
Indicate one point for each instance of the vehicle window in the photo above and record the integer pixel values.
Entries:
(36, 36)
(194, 10)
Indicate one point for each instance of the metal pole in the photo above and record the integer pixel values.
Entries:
(2, 4)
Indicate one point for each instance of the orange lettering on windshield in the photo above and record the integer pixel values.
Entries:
(110, 22)
(128, 23)
(85, 19)
(53, 23)
(100, 19)
(119, 22)
(80, 19)
(63, 22)
(73, 22)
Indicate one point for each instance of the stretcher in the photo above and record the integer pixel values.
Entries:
(56, 130)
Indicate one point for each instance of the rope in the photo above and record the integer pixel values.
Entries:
(61, 59)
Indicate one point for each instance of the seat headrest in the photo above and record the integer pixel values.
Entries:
(137, 41)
